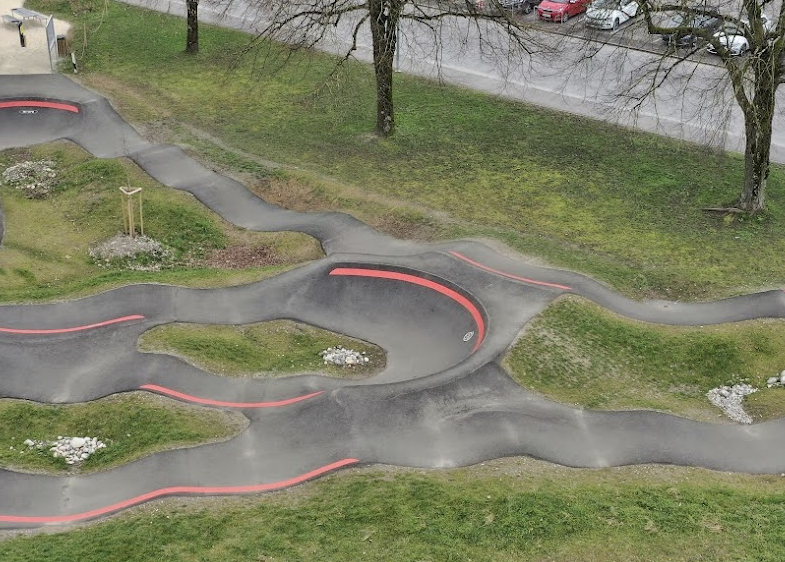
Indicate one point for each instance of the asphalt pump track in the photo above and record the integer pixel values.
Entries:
(444, 313)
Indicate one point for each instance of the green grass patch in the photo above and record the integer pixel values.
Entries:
(131, 425)
(46, 242)
(306, 191)
(511, 510)
(620, 206)
(766, 404)
(578, 353)
(199, 278)
(275, 348)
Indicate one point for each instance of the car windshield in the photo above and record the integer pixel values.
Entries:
(605, 4)
(558, 1)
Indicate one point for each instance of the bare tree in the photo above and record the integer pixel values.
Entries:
(751, 49)
(192, 24)
(305, 23)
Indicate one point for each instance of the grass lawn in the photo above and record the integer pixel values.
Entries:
(503, 511)
(45, 248)
(620, 206)
(578, 353)
(269, 349)
(132, 426)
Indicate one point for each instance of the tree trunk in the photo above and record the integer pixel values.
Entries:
(384, 23)
(756, 166)
(758, 129)
(192, 22)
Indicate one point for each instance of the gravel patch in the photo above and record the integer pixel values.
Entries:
(730, 399)
(34, 178)
(141, 253)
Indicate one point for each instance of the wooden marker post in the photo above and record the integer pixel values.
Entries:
(129, 210)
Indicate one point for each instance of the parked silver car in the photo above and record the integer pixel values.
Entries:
(610, 14)
(732, 36)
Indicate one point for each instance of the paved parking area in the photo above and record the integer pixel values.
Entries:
(632, 34)
(34, 57)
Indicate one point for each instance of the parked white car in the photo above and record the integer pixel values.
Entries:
(610, 14)
(731, 36)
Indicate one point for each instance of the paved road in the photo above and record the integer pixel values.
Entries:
(699, 109)
(444, 313)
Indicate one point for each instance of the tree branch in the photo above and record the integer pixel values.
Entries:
(736, 71)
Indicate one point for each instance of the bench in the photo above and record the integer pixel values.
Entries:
(24, 14)
(10, 20)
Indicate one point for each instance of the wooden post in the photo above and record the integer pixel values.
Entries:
(125, 214)
(131, 229)
(129, 214)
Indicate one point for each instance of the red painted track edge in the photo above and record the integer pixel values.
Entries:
(509, 275)
(74, 328)
(397, 276)
(210, 402)
(35, 103)
(180, 490)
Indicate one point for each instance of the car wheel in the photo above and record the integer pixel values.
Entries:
(564, 17)
(615, 24)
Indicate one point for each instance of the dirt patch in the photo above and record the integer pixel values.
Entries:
(242, 256)
(405, 227)
(289, 194)
(399, 221)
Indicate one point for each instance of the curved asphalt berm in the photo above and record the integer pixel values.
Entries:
(444, 313)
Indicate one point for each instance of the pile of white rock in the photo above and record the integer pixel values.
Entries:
(730, 400)
(340, 355)
(125, 247)
(34, 178)
(776, 381)
(72, 449)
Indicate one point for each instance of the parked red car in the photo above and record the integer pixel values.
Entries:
(560, 10)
